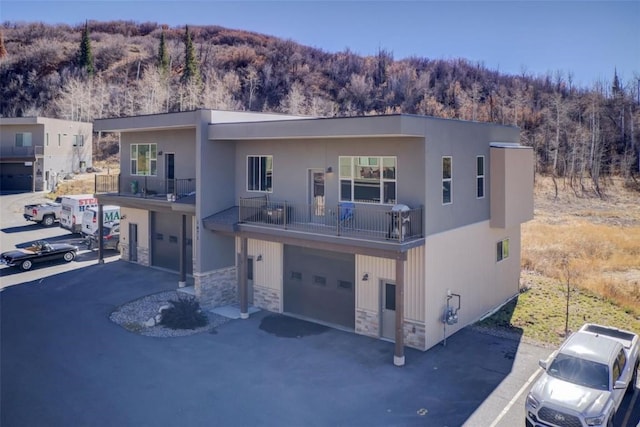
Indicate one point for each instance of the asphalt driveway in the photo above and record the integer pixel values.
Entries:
(64, 363)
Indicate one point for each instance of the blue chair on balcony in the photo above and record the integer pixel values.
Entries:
(346, 214)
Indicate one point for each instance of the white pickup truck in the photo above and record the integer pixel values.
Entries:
(585, 380)
(44, 213)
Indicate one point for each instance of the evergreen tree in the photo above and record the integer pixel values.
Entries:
(85, 59)
(615, 87)
(190, 74)
(3, 50)
(163, 55)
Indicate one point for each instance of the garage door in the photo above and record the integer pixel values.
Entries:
(165, 241)
(16, 177)
(320, 285)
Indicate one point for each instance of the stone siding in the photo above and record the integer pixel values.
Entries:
(143, 255)
(266, 298)
(368, 323)
(217, 288)
(414, 335)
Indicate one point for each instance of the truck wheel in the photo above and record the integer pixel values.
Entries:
(26, 265)
(69, 256)
(48, 220)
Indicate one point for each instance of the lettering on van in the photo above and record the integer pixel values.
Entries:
(112, 216)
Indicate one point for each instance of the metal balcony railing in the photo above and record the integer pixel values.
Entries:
(346, 219)
(147, 187)
(21, 152)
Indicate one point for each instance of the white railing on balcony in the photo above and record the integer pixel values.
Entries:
(346, 219)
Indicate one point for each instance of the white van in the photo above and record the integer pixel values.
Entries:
(72, 209)
(110, 216)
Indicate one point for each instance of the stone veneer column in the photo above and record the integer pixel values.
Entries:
(143, 256)
(368, 323)
(414, 335)
(216, 288)
(266, 298)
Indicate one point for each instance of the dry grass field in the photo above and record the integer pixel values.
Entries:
(583, 243)
(593, 242)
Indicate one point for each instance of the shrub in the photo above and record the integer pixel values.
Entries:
(184, 313)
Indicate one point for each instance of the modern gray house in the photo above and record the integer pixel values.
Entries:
(400, 227)
(37, 151)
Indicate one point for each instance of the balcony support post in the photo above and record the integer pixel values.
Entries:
(243, 279)
(398, 355)
(182, 282)
(100, 234)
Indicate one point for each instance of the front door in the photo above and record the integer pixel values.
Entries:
(316, 195)
(388, 312)
(169, 171)
(133, 242)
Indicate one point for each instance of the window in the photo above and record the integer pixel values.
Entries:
(260, 173)
(46, 139)
(144, 159)
(502, 250)
(343, 284)
(78, 140)
(59, 140)
(480, 177)
(368, 179)
(618, 365)
(446, 180)
(319, 280)
(23, 139)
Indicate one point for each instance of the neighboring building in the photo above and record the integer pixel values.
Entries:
(35, 152)
(370, 224)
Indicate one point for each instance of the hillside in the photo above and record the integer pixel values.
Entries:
(579, 133)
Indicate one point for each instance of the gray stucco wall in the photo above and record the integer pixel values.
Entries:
(181, 142)
(215, 192)
(463, 141)
(293, 158)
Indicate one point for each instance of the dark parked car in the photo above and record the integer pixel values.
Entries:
(110, 237)
(39, 251)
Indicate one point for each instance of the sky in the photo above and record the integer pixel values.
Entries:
(589, 39)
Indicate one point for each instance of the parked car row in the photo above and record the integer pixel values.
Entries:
(76, 213)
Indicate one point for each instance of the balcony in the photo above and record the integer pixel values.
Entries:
(30, 152)
(146, 187)
(397, 224)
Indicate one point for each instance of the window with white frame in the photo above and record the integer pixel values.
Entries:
(46, 139)
(368, 179)
(447, 181)
(144, 159)
(260, 173)
(502, 250)
(480, 177)
(23, 139)
(78, 140)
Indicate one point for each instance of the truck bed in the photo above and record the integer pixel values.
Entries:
(626, 338)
